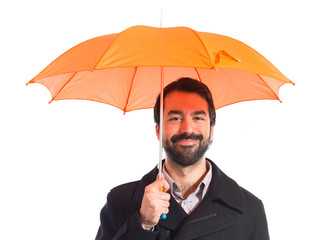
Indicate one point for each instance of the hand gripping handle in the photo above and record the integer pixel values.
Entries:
(163, 216)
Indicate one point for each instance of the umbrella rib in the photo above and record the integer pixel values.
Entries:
(198, 75)
(101, 57)
(269, 88)
(195, 32)
(130, 89)
(63, 87)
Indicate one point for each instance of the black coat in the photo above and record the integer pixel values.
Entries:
(227, 212)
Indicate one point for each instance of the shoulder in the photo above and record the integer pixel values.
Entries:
(124, 191)
(253, 203)
(229, 191)
(132, 191)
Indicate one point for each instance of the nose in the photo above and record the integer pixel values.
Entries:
(186, 126)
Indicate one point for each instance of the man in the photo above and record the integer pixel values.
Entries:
(200, 201)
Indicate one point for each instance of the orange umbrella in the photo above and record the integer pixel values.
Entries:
(129, 69)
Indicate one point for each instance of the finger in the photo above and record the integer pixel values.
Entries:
(161, 183)
(164, 184)
(164, 197)
(165, 204)
(165, 210)
(152, 193)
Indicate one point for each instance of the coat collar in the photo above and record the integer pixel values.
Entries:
(225, 190)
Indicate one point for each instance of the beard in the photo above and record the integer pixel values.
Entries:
(188, 155)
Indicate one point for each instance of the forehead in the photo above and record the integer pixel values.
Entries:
(178, 100)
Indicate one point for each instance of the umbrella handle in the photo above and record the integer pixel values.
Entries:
(163, 216)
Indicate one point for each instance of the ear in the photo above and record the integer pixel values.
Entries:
(157, 131)
(211, 133)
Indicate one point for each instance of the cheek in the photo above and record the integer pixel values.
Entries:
(169, 129)
(168, 132)
(206, 132)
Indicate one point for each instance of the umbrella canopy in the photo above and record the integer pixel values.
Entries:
(128, 69)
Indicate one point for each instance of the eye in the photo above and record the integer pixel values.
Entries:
(175, 118)
(199, 118)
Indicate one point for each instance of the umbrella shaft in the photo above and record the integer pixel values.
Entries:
(161, 128)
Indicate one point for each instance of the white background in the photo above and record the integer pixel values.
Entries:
(59, 160)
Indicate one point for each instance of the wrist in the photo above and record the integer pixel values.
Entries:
(146, 226)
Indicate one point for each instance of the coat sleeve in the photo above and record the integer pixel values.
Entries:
(119, 222)
(261, 229)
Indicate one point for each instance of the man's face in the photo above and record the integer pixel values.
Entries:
(186, 127)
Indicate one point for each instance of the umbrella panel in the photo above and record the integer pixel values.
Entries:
(133, 88)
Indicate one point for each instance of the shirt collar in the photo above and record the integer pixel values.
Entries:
(202, 187)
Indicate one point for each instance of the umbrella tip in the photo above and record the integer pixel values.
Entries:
(29, 82)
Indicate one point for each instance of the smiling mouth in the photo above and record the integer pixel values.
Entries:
(187, 142)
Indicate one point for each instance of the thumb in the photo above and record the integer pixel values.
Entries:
(162, 183)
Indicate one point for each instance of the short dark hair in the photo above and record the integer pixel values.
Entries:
(187, 85)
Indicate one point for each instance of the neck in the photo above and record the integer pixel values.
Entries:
(187, 178)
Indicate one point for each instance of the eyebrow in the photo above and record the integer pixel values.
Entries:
(200, 112)
(174, 112)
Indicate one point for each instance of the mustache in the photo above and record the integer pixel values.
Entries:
(182, 136)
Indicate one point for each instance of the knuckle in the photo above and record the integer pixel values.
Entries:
(148, 190)
(166, 196)
(153, 205)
